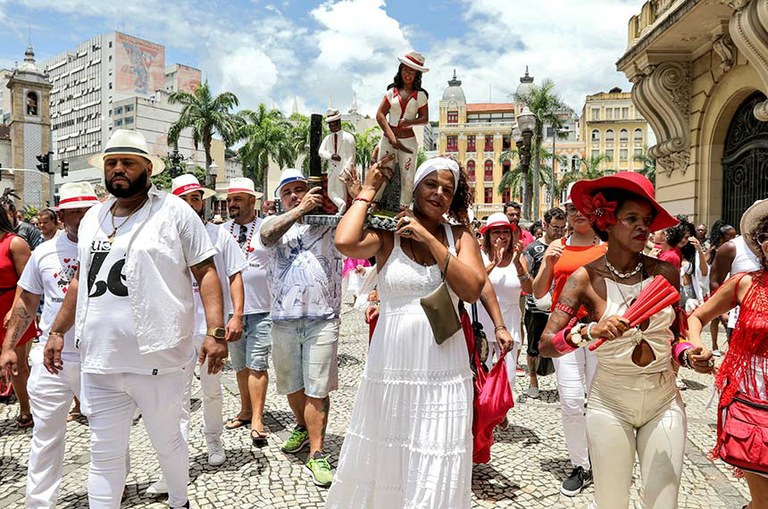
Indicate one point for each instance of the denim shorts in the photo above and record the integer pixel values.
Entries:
(252, 349)
(305, 356)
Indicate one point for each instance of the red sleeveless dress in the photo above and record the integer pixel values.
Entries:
(8, 280)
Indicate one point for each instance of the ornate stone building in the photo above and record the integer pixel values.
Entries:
(699, 70)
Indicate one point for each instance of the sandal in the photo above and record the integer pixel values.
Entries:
(74, 416)
(236, 422)
(260, 439)
(25, 421)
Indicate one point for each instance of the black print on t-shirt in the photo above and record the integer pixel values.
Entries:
(115, 282)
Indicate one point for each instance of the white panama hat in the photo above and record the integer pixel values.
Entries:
(127, 142)
(187, 183)
(287, 176)
(242, 185)
(332, 115)
(414, 60)
(77, 195)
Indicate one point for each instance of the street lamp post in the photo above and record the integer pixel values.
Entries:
(210, 182)
(526, 122)
(555, 132)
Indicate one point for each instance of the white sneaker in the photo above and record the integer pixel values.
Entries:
(532, 392)
(158, 488)
(216, 454)
(681, 385)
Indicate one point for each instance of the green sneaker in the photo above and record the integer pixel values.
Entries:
(320, 470)
(298, 440)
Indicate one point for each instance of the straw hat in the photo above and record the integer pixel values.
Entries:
(76, 195)
(289, 175)
(242, 185)
(750, 222)
(127, 142)
(332, 115)
(187, 183)
(497, 219)
(414, 60)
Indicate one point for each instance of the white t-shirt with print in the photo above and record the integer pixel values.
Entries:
(229, 260)
(305, 274)
(109, 344)
(257, 296)
(48, 273)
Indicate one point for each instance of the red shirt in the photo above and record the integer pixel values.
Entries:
(574, 257)
(672, 256)
(526, 237)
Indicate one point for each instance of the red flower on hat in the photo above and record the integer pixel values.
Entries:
(600, 211)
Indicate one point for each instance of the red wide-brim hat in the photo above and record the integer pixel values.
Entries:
(583, 191)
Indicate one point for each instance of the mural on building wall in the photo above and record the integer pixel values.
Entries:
(188, 78)
(140, 66)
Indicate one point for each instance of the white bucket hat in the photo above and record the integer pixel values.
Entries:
(77, 195)
(187, 183)
(332, 115)
(414, 60)
(127, 142)
(287, 176)
(242, 185)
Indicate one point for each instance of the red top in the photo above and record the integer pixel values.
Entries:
(672, 256)
(8, 280)
(574, 257)
(526, 237)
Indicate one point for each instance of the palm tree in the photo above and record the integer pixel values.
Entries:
(206, 115)
(591, 168)
(516, 178)
(266, 136)
(649, 164)
(365, 143)
(545, 104)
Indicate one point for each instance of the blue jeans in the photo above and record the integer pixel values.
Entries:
(252, 349)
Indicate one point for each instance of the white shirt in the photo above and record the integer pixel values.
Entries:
(404, 107)
(340, 143)
(48, 273)
(257, 296)
(169, 238)
(507, 286)
(229, 261)
(305, 274)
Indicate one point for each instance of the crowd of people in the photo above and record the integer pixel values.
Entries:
(108, 306)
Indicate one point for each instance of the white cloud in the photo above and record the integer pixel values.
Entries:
(247, 72)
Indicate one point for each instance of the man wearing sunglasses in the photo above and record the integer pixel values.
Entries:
(250, 355)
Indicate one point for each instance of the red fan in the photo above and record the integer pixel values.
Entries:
(652, 299)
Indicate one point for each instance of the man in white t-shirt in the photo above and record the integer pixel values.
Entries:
(134, 318)
(305, 279)
(48, 273)
(250, 355)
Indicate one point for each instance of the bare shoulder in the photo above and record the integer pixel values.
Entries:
(19, 245)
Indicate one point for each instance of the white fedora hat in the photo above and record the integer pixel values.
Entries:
(414, 60)
(332, 115)
(287, 176)
(77, 195)
(127, 142)
(242, 185)
(187, 183)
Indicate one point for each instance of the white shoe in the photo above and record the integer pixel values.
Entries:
(532, 392)
(158, 488)
(216, 454)
(681, 385)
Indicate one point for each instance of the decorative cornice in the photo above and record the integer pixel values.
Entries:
(749, 29)
(662, 93)
(723, 45)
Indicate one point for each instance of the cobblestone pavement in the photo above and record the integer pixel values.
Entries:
(529, 459)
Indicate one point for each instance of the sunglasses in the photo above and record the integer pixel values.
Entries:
(243, 237)
(761, 238)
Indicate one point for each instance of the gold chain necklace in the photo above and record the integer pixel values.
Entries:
(111, 237)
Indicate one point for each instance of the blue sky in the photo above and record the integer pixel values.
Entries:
(319, 52)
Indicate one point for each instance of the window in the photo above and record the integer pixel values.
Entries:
(595, 153)
(471, 171)
(488, 195)
(609, 137)
(489, 143)
(118, 122)
(129, 120)
(488, 171)
(638, 136)
(453, 144)
(505, 197)
(471, 144)
(595, 113)
(623, 136)
(576, 163)
(609, 113)
(638, 153)
(118, 110)
(32, 103)
(505, 167)
(128, 107)
(624, 113)
(623, 154)
(506, 143)
(110, 58)
(453, 117)
(595, 136)
(110, 85)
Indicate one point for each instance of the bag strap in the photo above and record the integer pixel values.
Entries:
(474, 312)
(445, 267)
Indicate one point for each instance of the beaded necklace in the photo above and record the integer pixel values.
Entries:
(246, 246)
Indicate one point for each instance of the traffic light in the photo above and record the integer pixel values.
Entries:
(64, 168)
(43, 159)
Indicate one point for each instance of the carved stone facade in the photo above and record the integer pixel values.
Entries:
(693, 63)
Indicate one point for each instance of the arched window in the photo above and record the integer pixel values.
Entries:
(488, 171)
(609, 136)
(32, 103)
(595, 135)
(623, 136)
(638, 136)
(471, 171)
(576, 163)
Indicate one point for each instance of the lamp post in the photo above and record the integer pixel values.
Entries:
(176, 159)
(555, 132)
(210, 182)
(526, 122)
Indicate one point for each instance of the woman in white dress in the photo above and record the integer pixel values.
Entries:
(409, 443)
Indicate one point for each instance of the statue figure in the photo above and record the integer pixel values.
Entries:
(404, 105)
(338, 148)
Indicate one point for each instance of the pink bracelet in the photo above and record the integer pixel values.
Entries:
(678, 349)
(560, 344)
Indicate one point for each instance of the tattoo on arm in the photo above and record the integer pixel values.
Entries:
(276, 228)
(19, 322)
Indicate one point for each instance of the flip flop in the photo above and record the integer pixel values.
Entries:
(260, 439)
(236, 422)
(74, 416)
(25, 421)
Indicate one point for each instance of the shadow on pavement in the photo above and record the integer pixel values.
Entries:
(560, 468)
(490, 484)
(12, 470)
(515, 434)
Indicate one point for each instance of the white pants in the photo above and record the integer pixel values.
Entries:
(406, 162)
(50, 397)
(639, 415)
(109, 402)
(574, 372)
(337, 190)
(212, 399)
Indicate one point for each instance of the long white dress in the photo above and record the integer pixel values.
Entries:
(409, 443)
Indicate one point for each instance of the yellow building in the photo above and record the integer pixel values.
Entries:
(611, 125)
(700, 75)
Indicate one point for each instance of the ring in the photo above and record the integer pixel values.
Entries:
(406, 219)
(407, 232)
(711, 363)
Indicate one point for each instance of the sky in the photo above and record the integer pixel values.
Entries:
(322, 53)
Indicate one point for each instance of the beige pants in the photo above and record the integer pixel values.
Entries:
(638, 415)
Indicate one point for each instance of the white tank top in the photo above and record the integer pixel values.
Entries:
(745, 260)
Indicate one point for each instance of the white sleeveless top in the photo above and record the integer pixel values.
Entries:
(745, 260)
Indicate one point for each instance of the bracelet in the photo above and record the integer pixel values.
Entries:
(589, 331)
(524, 277)
(560, 344)
(678, 351)
(55, 333)
(499, 327)
(568, 310)
(686, 362)
(362, 200)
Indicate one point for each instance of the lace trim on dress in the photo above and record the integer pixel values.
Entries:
(409, 376)
(404, 441)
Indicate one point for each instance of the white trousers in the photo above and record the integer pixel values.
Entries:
(109, 401)
(574, 372)
(50, 397)
(643, 416)
(213, 401)
(407, 163)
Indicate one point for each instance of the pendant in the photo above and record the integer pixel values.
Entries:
(111, 236)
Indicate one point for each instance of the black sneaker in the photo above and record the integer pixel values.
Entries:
(575, 482)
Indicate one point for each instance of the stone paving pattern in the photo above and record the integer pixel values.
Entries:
(529, 460)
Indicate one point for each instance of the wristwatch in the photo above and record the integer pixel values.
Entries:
(216, 332)
(576, 337)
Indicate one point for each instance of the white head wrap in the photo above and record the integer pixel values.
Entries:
(432, 165)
